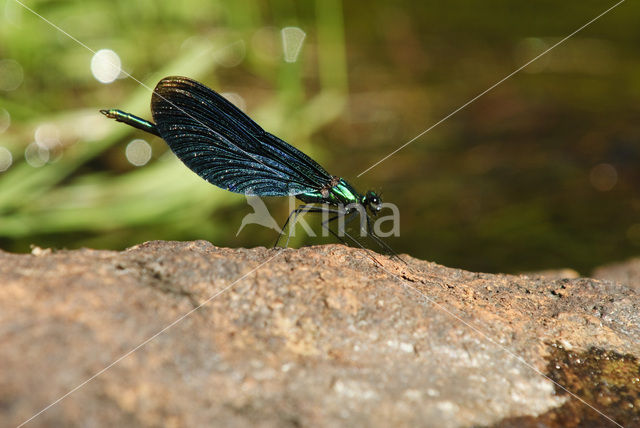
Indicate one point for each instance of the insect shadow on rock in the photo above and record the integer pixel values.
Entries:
(221, 144)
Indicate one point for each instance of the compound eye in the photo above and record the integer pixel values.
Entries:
(376, 203)
(373, 201)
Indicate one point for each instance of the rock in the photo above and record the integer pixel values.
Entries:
(187, 334)
(563, 273)
(627, 272)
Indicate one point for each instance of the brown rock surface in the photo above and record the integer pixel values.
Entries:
(627, 272)
(320, 336)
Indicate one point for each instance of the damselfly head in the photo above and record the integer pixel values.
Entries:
(372, 201)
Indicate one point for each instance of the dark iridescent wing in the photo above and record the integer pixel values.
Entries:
(225, 147)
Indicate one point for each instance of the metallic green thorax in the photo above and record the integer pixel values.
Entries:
(340, 193)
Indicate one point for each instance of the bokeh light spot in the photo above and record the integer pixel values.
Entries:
(603, 177)
(5, 159)
(11, 75)
(138, 152)
(36, 155)
(292, 40)
(5, 120)
(106, 66)
(47, 135)
(235, 99)
(12, 13)
(232, 54)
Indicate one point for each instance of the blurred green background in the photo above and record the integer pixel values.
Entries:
(539, 173)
